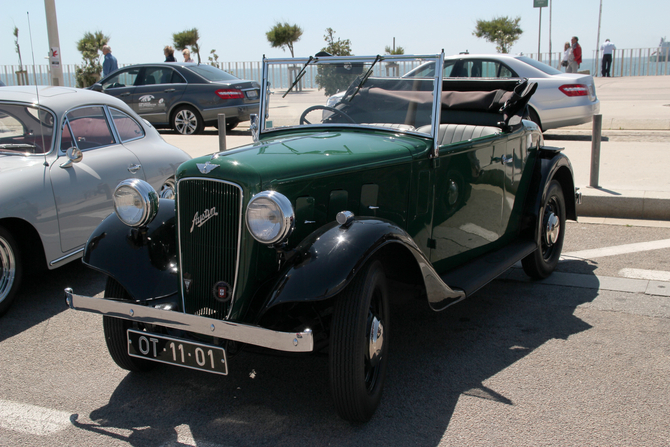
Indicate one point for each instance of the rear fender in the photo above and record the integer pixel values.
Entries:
(551, 164)
(326, 261)
(143, 261)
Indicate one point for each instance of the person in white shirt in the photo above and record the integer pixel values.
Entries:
(567, 55)
(607, 48)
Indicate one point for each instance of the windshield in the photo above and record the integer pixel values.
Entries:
(212, 74)
(25, 129)
(349, 91)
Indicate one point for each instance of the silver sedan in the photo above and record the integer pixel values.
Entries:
(62, 153)
(561, 99)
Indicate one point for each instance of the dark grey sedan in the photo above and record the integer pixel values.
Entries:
(184, 96)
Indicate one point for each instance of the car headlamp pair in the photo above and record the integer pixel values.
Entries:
(270, 218)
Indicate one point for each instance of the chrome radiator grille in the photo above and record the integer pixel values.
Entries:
(209, 213)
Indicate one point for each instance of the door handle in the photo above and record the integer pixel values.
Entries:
(134, 168)
(124, 94)
(507, 160)
(169, 90)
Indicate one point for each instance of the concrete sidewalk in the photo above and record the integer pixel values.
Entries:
(633, 180)
(634, 171)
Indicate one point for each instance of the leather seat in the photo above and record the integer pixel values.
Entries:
(454, 133)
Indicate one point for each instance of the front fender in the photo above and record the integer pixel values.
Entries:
(327, 260)
(143, 261)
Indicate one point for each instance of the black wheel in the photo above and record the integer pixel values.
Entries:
(187, 121)
(168, 189)
(115, 334)
(359, 343)
(11, 269)
(303, 117)
(543, 261)
(231, 124)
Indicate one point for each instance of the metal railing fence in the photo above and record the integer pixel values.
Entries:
(625, 62)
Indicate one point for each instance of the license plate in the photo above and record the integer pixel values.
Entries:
(176, 351)
(252, 94)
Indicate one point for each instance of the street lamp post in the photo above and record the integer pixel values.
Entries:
(539, 4)
(55, 65)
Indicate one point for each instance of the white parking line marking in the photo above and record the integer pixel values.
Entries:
(185, 438)
(618, 250)
(652, 275)
(31, 419)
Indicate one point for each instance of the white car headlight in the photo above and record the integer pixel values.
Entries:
(270, 217)
(135, 202)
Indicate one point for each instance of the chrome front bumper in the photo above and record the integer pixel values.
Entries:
(254, 335)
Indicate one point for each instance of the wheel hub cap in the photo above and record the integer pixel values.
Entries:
(452, 193)
(7, 269)
(552, 229)
(376, 341)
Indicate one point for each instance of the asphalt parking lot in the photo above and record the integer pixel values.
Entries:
(579, 359)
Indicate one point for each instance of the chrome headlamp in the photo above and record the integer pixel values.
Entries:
(270, 218)
(135, 202)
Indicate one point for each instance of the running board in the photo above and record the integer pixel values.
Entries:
(477, 273)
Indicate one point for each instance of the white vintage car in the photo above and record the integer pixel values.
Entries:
(62, 153)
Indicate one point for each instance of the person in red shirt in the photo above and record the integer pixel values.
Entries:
(576, 59)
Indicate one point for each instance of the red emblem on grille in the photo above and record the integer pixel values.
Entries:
(221, 291)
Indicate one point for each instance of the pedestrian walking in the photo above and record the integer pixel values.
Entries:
(573, 65)
(169, 54)
(567, 54)
(607, 48)
(109, 65)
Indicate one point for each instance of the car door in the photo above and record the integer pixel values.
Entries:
(157, 90)
(469, 193)
(122, 85)
(83, 190)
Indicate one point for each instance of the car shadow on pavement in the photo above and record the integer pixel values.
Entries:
(435, 359)
(42, 296)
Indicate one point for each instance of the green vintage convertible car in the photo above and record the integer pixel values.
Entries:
(289, 243)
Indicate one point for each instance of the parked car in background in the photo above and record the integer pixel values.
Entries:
(291, 243)
(184, 96)
(561, 99)
(62, 153)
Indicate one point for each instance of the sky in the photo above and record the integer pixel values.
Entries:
(139, 29)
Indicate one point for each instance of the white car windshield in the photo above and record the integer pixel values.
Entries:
(349, 91)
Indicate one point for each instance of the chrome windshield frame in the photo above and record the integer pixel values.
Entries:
(437, 59)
